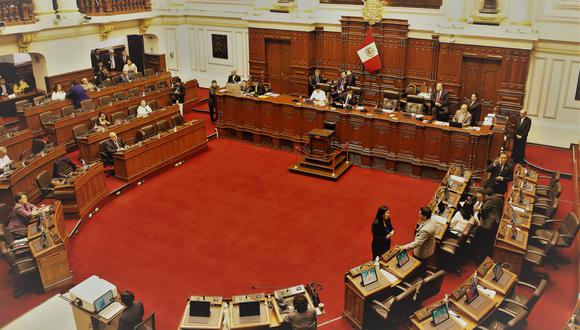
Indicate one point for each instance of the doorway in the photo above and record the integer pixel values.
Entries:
(480, 75)
(278, 55)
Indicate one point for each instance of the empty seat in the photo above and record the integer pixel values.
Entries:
(68, 110)
(162, 84)
(3, 130)
(390, 100)
(566, 232)
(105, 100)
(94, 121)
(148, 72)
(38, 145)
(39, 100)
(43, 182)
(80, 130)
(47, 117)
(135, 91)
(145, 132)
(117, 116)
(133, 110)
(88, 104)
(153, 104)
(20, 105)
(106, 83)
(397, 308)
(150, 88)
(138, 75)
(120, 96)
(415, 104)
(177, 120)
(163, 125)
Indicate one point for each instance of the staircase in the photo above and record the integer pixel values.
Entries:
(331, 167)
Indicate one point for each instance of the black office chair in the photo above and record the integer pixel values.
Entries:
(566, 232)
(426, 287)
(133, 110)
(43, 182)
(47, 117)
(145, 132)
(107, 162)
(177, 120)
(150, 88)
(163, 125)
(415, 104)
(517, 302)
(9, 239)
(153, 105)
(544, 213)
(395, 309)
(38, 146)
(390, 100)
(148, 323)
(500, 321)
(24, 270)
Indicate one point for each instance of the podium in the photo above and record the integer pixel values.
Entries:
(319, 159)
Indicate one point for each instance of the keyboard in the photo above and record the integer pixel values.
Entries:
(111, 310)
(449, 324)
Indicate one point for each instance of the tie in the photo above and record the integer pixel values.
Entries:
(501, 169)
(439, 96)
(117, 144)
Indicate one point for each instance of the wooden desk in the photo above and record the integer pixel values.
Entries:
(52, 259)
(89, 145)
(234, 318)
(83, 191)
(61, 130)
(17, 143)
(477, 314)
(288, 295)
(50, 217)
(384, 141)
(217, 313)
(427, 324)
(30, 117)
(154, 154)
(94, 320)
(8, 106)
(23, 178)
(502, 286)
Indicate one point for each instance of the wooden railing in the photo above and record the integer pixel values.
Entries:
(112, 7)
(15, 12)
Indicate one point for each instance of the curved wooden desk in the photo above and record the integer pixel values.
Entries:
(17, 143)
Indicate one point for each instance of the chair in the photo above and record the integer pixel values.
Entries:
(163, 125)
(544, 212)
(162, 84)
(153, 105)
(426, 287)
(177, 120)
(120, 96)
(537, 255)
(494, 321)
(543, 190)
(5, 212)
(150, 88)
(107, 83)
(67, 111)
(22, 104)
(138, 75)
(415, 104)
(411, 90)
(119, 115)
(94, 121)
(451, 246)
(566, 232)
(38, 146)
(147, 324)
(397, 308)
(43, 182)
(135, 91)
(554, 192)
(268, 87)
(145, 132)
(88, 104)
(148, 72)
(133, 110)
(390, 100)
(80, 130)
(47, 117)
(38, 100)
(18, 248)
(22, 268)
(517, 303)
(355, 91)
(105, 100)
(3, 130)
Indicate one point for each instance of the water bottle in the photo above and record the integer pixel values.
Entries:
(85, 166)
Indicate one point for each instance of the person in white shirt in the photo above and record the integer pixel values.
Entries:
(87, 85)
(144, 109)
(3, 87)
(318, 95)
(461, 219)
(130, 68)
(4, 159)
(58, 94)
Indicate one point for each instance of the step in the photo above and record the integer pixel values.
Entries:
(339, 160)
(344, 166)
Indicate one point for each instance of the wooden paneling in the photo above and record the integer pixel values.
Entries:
(96, 7)
(17, 12)
(65, 79)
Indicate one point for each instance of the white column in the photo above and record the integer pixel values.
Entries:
(520, 12)
(305, 8)
(43, 9)
(455, 10)
(67, 6)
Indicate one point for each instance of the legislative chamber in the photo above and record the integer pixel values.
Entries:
(289, 164)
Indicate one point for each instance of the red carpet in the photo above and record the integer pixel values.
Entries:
(552, 158)
(233, 218)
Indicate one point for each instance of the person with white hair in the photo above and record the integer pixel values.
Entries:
(4, 159)
(233, 78)
(111, 61)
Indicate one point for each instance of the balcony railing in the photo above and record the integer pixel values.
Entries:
(15, 12)
(112, 7)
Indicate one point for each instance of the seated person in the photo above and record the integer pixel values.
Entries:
(123, 78)
(132, 315)
(3, 88)
(461, 219)
(440, 103)
(501, 172)
(101, 74)
(20, 87)
(58, 94)
(462, 116)
(340, 87)
(130, 68)
(349, 100)
(243, 86)
(144, 109)
(87, 85)
(302, 318)
(314, 80)
(249, 87)
(102, 120)
(113, 145)
(5, 161)
(22, 214)
(258, 88)
(318, 96)
(233, 78)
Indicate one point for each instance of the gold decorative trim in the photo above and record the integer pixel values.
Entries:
(24, 40)
(522, 23)
(144, 25)
(105, 30)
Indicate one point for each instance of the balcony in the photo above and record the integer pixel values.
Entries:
(112, 7)
(16, 12)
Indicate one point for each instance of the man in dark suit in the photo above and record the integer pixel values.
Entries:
(440, 103)
(258, 88)
(341, 85)
(112, 145)
(349, 100)
(350, 79)
(111, 62)
(3, 88)
(488, 219)
(523, 125)
(96, 57)
(77, 94)
(122, 60)
(314, 80)
(501, 172)
(133, 314)
(234, 78)
(474, 108)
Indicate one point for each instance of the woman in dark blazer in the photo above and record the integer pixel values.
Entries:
(474, 108)
(382, 230)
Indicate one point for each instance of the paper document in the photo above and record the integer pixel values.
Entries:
(390, 277)
(439, 219)
(488, 292)
(458, 178)
(459, 320)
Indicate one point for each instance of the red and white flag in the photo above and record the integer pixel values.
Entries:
(369, 54)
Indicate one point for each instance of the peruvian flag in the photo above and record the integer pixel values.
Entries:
(369, 54)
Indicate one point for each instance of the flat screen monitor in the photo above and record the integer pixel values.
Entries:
(104, 301)
(369, 276)
(249, 308)
(402, 258)
(199, 308)
(471, 292)
(497, 272)
(233, 88)
(440, 314)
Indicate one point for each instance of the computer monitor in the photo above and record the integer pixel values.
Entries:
(440, 314)
(249, 308)
(369, 276)
(104, 301)
(471, 292)
(497, 272)
(199, 308)
(402, 258)
(233, 88)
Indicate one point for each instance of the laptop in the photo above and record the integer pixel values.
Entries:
(455, 124)
(249, 311)
(403, 260)
(441, 318)
(498, 274)
(199, 311)
(233, 88)
(369, 277)
(106, 306)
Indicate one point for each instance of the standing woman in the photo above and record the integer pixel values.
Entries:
(211, 103)
(382, 230)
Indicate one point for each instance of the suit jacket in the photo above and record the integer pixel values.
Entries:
(21, 215)
(4, 90)
(259, 89)
(507, 172)
(131, 316)
(424, 244)
(111, 148)
(475, 111)
(96, 59)
(302, 321)
(313, 80)
(121, 60)
(341, 85)
(490, 212)
(523, 127)
(444, 98)
(108, 60)
(77, 94)
(351, 80)
(466, 120)
(234, 79)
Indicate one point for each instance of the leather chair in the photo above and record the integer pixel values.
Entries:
(119, 115)
(38, 100)
(162, 84)
(43, 183)
(566, 233)
(496, 322)
(94, 121)
(163, 125)
(5, 213)
(105, 100)
(148, 72)
(37, 146)
(107, 83)
(415, 104)
(268, 87)
(147, 324)
(134, 92)
(517, 302)
(22, 269)
(410, 90)
(390, 100)
(47, 117)
(120, 96)
(544, 212)
(395, 309)
(153, 105)
(538, 255)
(67, 111)
(150, 88)
(3, 130)
(133, 110)
(544, 190)
(145, 132)
(18, 248)
(80, 130)
(177, 120)
(426, 287)
(88, 104)
(451, 245)
(104, 157)
(138, 75)
(22, 104)
(554, 192)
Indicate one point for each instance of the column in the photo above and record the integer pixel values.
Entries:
(43, 10)
(67, 6)
(455, 10)
(520, 12)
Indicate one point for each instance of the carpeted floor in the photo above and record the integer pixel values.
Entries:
(233, 220)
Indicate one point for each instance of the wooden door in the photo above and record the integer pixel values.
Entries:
(480, 76)
(278, 55)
